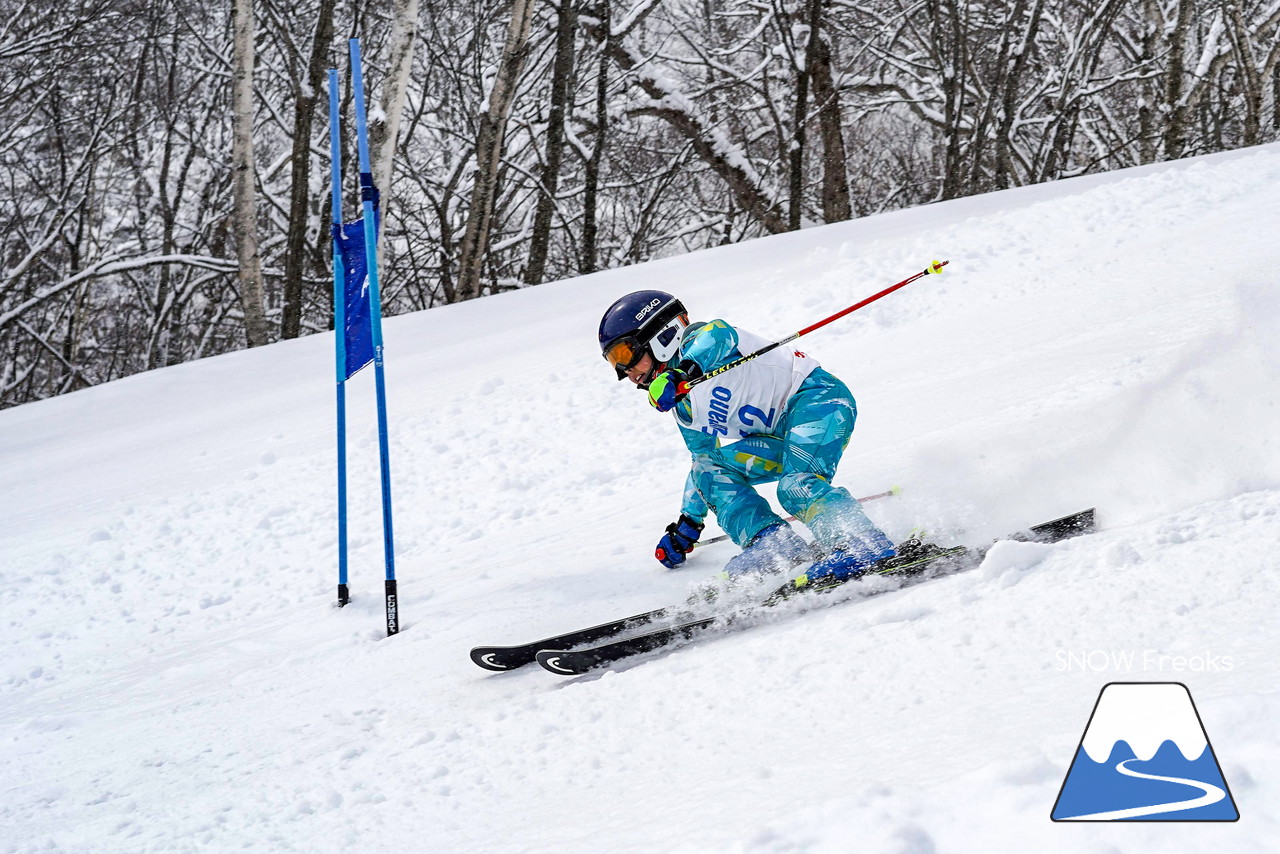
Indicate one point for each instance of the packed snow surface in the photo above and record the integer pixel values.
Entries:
(174, 676)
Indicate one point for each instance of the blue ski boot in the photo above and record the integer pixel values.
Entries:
(775, 549)
(849, 561)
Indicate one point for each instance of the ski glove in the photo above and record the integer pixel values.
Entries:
(664, 391)
(678, 541)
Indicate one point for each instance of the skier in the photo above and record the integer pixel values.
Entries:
(779, 417)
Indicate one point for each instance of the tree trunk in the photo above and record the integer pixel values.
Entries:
(1175, 129)
(1009, 95)
(1148, 115)
(404, 32)
(591, 178)
(385, 134)
(308, 93)
(1251, 83)
(243, 177)
(489, 144)
(804, 68)
(836, 206)
(949, 39)
(561, 74)
(1275, 98)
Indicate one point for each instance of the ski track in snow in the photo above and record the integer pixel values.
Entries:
(174, 678)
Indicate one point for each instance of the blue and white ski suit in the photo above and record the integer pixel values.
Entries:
(779, 417)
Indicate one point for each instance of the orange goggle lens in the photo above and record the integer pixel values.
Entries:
(623, 354)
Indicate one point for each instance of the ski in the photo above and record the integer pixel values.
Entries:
(501, 658)
(945, 561)
(575, 662)
(1054, 531)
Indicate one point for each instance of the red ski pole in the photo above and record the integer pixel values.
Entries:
(935, 267)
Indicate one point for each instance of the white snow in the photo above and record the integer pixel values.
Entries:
(174, 678)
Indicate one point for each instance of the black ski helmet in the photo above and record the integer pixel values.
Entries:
(642, 322)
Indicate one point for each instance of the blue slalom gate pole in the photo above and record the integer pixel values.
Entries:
(375, 320)
(339, 335)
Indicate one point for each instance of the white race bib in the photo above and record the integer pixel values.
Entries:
(751, 398)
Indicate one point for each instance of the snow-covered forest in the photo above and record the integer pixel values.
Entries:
(524, 141)
(174, 678)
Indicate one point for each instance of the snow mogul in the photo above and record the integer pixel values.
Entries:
(779, 417)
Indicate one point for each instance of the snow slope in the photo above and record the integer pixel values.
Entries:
(173, 676)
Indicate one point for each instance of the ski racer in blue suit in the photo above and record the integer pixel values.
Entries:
(779, 417)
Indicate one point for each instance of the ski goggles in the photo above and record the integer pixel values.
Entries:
(624, 354)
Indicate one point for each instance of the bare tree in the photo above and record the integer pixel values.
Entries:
(711, 144)
(306, 94)
(561, 78)
(404, 33)
(493, 125)
(593, 162)
(835, 169)
(244, 175)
